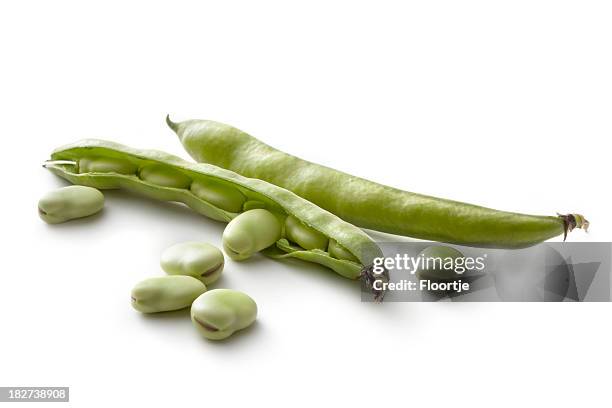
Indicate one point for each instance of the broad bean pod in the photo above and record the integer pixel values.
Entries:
(365, 203)
(165, 177)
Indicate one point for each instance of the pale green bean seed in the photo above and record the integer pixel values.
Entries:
(165, 293)
(303, 235)
(217, 314)
(164, 176)
(439, 262)
(338, 251)
(198, 259)
(222, 196)
(68, 203)
(99, 164)
(250, 232)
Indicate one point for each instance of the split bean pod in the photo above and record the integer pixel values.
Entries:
(261, 216)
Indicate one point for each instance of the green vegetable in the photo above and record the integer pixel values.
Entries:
(223, 196)
(366, 203)
(303, 235)
(337, 251)
(219, 313)
(250, 232)
(166, 293)
(68, 203)
(94, 164)
(165, 177)
(197, 259)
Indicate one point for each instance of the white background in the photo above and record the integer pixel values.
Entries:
(504, 104)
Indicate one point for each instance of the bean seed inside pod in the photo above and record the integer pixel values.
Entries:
(197, 259)
(68, 203)
(99, 164)
(222, 196)
(166, 293)
(250, 232)
(338, 251)
(164, 176)
(303, 235)
(218, 313)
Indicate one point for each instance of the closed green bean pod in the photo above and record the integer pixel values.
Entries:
(365, 203)
(166, 177)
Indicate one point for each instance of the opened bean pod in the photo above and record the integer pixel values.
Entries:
(261, 216)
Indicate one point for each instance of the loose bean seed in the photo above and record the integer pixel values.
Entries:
(225, 197)
(68, 203)
(165, 293)
(250, 232)
(197, 259)
(219, 313)
(164, 176)
(304, 236)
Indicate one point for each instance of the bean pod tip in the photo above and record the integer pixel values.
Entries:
(170, 123)
(571, 221)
